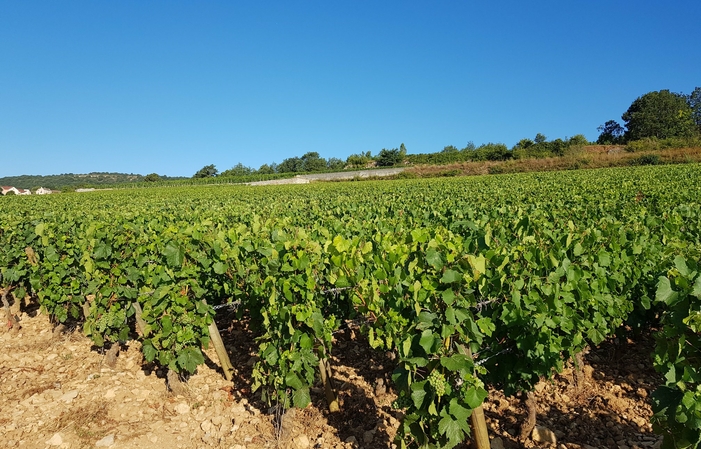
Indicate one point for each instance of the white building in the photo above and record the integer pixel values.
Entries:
(8, 189)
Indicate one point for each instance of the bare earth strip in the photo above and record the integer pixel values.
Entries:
(57, 392)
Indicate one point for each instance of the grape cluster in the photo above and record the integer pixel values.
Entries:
(102, 322)
(437, 381)
(401, 402)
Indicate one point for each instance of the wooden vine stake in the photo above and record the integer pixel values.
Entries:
(479, 426)
(224, 360)
(331, 397)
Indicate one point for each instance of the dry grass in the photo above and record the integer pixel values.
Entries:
(37, 389)
(594, 156)
(89, 422)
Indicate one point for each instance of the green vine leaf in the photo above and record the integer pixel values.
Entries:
(189, 359)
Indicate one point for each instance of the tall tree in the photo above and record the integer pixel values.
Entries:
(523, 144)
(492, 152)
(290, 165)
(660, 114)
(469, 147)
(387, 158)
(695, 104)
(207, 171)
(266, 169)
(611, 133)
(311, 161)
(334, 163)
(577, 140)
(237, 170)
(359, 160)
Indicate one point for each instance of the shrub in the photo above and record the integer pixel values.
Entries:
(406, 175)
(646, 159)
(447, 173)
(495, 170)
(388, 158)
(493, 152)
(654, 144)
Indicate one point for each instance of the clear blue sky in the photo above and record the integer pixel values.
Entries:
(168, 87)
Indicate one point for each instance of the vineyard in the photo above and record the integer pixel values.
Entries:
(488, 281)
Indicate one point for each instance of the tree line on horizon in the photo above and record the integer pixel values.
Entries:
(656, 120)
(71, 181)
(312, 162)
(659, 119)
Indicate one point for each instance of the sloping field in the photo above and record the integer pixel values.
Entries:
(439, 293)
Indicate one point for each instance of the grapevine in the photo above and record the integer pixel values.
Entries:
(523, 270)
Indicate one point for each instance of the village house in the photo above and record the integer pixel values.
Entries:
(16, 191)
(8, 189)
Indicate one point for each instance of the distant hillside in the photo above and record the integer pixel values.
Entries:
(70, 180)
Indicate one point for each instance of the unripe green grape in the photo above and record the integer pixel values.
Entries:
(437, 381)
(401, 402)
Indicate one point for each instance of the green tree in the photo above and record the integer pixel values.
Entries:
(152, 177)
(388, 158)
(577, 140)
(290, 165)
(662, 114)
(266, 169)
(557, 147)
(335, 163)
(492, 152)
(469, 147)
(208, 171)
(311, 162)
(611, 133)
(523, 144)
(538, 147)
(449, 149)
(694, 101)
(359, 160)
(237, 170)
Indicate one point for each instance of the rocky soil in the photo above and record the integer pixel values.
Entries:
(58, 391)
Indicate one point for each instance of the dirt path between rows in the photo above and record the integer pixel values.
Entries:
(57, 392)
